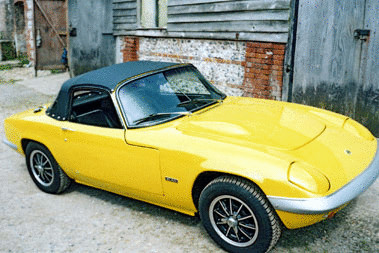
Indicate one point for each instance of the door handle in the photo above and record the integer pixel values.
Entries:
(67, 129)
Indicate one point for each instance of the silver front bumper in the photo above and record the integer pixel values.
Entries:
(325, 204)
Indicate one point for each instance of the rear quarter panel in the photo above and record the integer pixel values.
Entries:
(36, 127)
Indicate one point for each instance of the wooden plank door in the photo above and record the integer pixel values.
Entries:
(334, 68)
(50, 33)
(367, 107)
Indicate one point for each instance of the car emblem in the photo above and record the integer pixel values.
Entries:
(347, 152)
(170, 179)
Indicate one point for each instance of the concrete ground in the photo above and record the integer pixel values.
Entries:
(85, 219)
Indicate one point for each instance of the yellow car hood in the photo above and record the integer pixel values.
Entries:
(260, 122)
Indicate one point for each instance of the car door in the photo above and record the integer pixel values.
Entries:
(96, 152)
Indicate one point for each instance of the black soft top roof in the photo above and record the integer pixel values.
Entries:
(107, 78)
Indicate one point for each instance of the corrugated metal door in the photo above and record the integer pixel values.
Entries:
(50, 33)
(336, 64)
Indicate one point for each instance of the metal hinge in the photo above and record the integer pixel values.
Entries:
(361, 34)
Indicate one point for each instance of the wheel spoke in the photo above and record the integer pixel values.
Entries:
(245, 234)
(224, 207)
(37, 171)
(223, 216)
(247, 226)
(222, 222)
(47, 177)
(35, 160)
(48, 168)
(245, 218)
(235, 229)
(49, 173)
(45, 162)
(39, 158)
(42, 176)
(239, 209)
(227, 232)
(230, 207)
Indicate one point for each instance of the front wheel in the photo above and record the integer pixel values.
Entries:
(237, 215)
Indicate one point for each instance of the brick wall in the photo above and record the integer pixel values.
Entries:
(264, 70)
(130, 48)
(238, 68)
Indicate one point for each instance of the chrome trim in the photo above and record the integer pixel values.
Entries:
(10, 144)
(325, 204)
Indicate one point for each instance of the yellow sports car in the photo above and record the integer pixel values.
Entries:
(161, 133)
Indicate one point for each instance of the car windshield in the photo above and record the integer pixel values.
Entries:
(165, 96)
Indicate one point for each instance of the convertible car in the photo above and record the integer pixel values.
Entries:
(161, 133)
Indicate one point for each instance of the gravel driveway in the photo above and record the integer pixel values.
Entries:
(84, 219)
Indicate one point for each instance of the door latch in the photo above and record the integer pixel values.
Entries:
(361, 34)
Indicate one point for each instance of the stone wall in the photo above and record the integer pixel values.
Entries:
(235, 67)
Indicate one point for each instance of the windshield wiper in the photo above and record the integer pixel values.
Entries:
(157, 115)
(199, 100)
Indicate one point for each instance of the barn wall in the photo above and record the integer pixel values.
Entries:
(124, 16)
(255, 20)
(238, 20)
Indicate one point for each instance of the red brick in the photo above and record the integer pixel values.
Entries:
(253, 44)
(277, 73)
(279, 46)
(277, 62)
(250, 75)
(260, 82)
(259, 71)
(276, 67)
(278, 57)
(267, 45)
(278, 51)
(279, 78)
(262, 76)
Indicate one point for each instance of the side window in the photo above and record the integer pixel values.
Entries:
(93, 107)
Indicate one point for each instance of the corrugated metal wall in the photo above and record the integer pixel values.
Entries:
(258, 20)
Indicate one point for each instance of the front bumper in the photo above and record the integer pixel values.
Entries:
(333, 201)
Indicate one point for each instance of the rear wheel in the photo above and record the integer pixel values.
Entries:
(44, 170)
(237, 215)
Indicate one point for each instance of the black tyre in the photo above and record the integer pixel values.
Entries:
(238, 216)
(44, 170)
